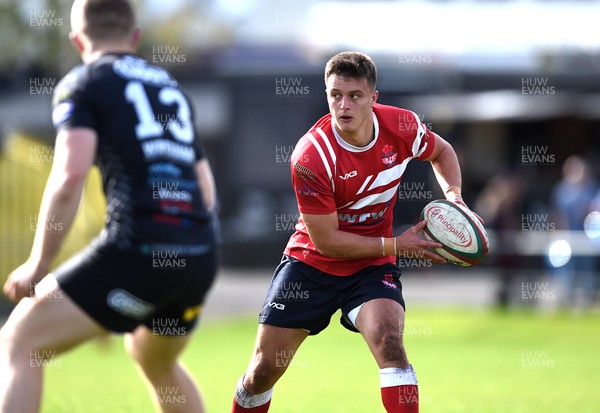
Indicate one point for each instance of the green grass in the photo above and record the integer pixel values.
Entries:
(466, 361)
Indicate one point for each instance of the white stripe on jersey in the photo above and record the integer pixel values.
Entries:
(364, 185)
(420, 133)
(389, 175)
(322, 155)
(331, 153)
(376, 198)
(328, 144)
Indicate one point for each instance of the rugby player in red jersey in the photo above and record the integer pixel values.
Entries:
(134, 121)
(345, 171)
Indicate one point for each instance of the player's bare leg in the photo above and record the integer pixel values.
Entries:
(38, 329)
(381, 322)
(273, 352)
(171, 385)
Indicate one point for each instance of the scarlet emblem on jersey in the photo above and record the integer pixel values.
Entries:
(388, 155)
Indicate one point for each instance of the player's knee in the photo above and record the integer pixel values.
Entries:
(15, 343)
(392, 347)
(13, 346)
(388, 342)
(153, 367)
(136, 354)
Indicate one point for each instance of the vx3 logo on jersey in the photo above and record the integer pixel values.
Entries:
(349, 175)
(278, 306)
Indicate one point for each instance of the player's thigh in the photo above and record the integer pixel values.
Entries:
(49, 321)
(300, 297)
(154, 350)
(381, 322)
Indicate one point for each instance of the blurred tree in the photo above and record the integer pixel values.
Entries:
(189, 29)
(34, 33)
(33, 36)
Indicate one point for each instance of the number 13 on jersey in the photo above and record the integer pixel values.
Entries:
(148, 125)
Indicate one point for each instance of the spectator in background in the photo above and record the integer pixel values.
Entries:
(500, 204)
(570, 203)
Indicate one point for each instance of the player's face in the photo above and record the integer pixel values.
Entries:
(350, 104)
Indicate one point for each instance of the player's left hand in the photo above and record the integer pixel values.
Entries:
(22, 280)
(457, 199)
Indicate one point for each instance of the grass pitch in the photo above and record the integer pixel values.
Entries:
(466, 361)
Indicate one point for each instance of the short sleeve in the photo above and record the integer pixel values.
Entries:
(199, 150)
(418, 137)
(70, 105)
(311, 182)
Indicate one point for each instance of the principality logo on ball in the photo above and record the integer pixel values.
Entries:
(464, 238)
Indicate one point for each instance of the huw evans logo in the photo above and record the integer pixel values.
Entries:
(537, 155)
(170, 395)
(414, 259)
(287, 358)
(536, 222)
(292, 291)
(414, 191)
(168, 260)
(286, 223)
(537, 291)
(415, 58)
(291, 87)
(537, 359)
(168, 54)
(41, 154)
(43, 358)
(42, 86)
(45, 18)
(536, 86)
(168, 327)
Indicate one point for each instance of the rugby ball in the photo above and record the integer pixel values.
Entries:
(464, 239)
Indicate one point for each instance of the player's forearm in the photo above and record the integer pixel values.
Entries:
(340, 244)
(447, 170)
(57, 212)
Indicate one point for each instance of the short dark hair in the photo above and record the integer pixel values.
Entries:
(108, 19)
(352, 64)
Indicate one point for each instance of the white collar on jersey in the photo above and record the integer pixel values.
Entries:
(353, 148)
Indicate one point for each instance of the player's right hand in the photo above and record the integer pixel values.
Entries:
(22, 280)
(409, 243)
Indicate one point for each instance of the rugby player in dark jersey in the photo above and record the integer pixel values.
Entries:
(147, 273)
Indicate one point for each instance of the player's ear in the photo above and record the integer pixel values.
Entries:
(135, 37)
(76, 40)
(374, 97)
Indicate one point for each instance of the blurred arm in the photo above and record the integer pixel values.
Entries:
(206, 182)
(74, 154)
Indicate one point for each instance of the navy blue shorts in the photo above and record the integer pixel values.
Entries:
(163, 289)
(300, 296)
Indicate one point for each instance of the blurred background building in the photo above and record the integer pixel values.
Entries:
(513, 85)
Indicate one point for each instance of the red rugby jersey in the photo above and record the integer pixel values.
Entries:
(360, 184)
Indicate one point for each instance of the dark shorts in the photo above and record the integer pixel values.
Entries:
(300, 296)
(122, 289)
